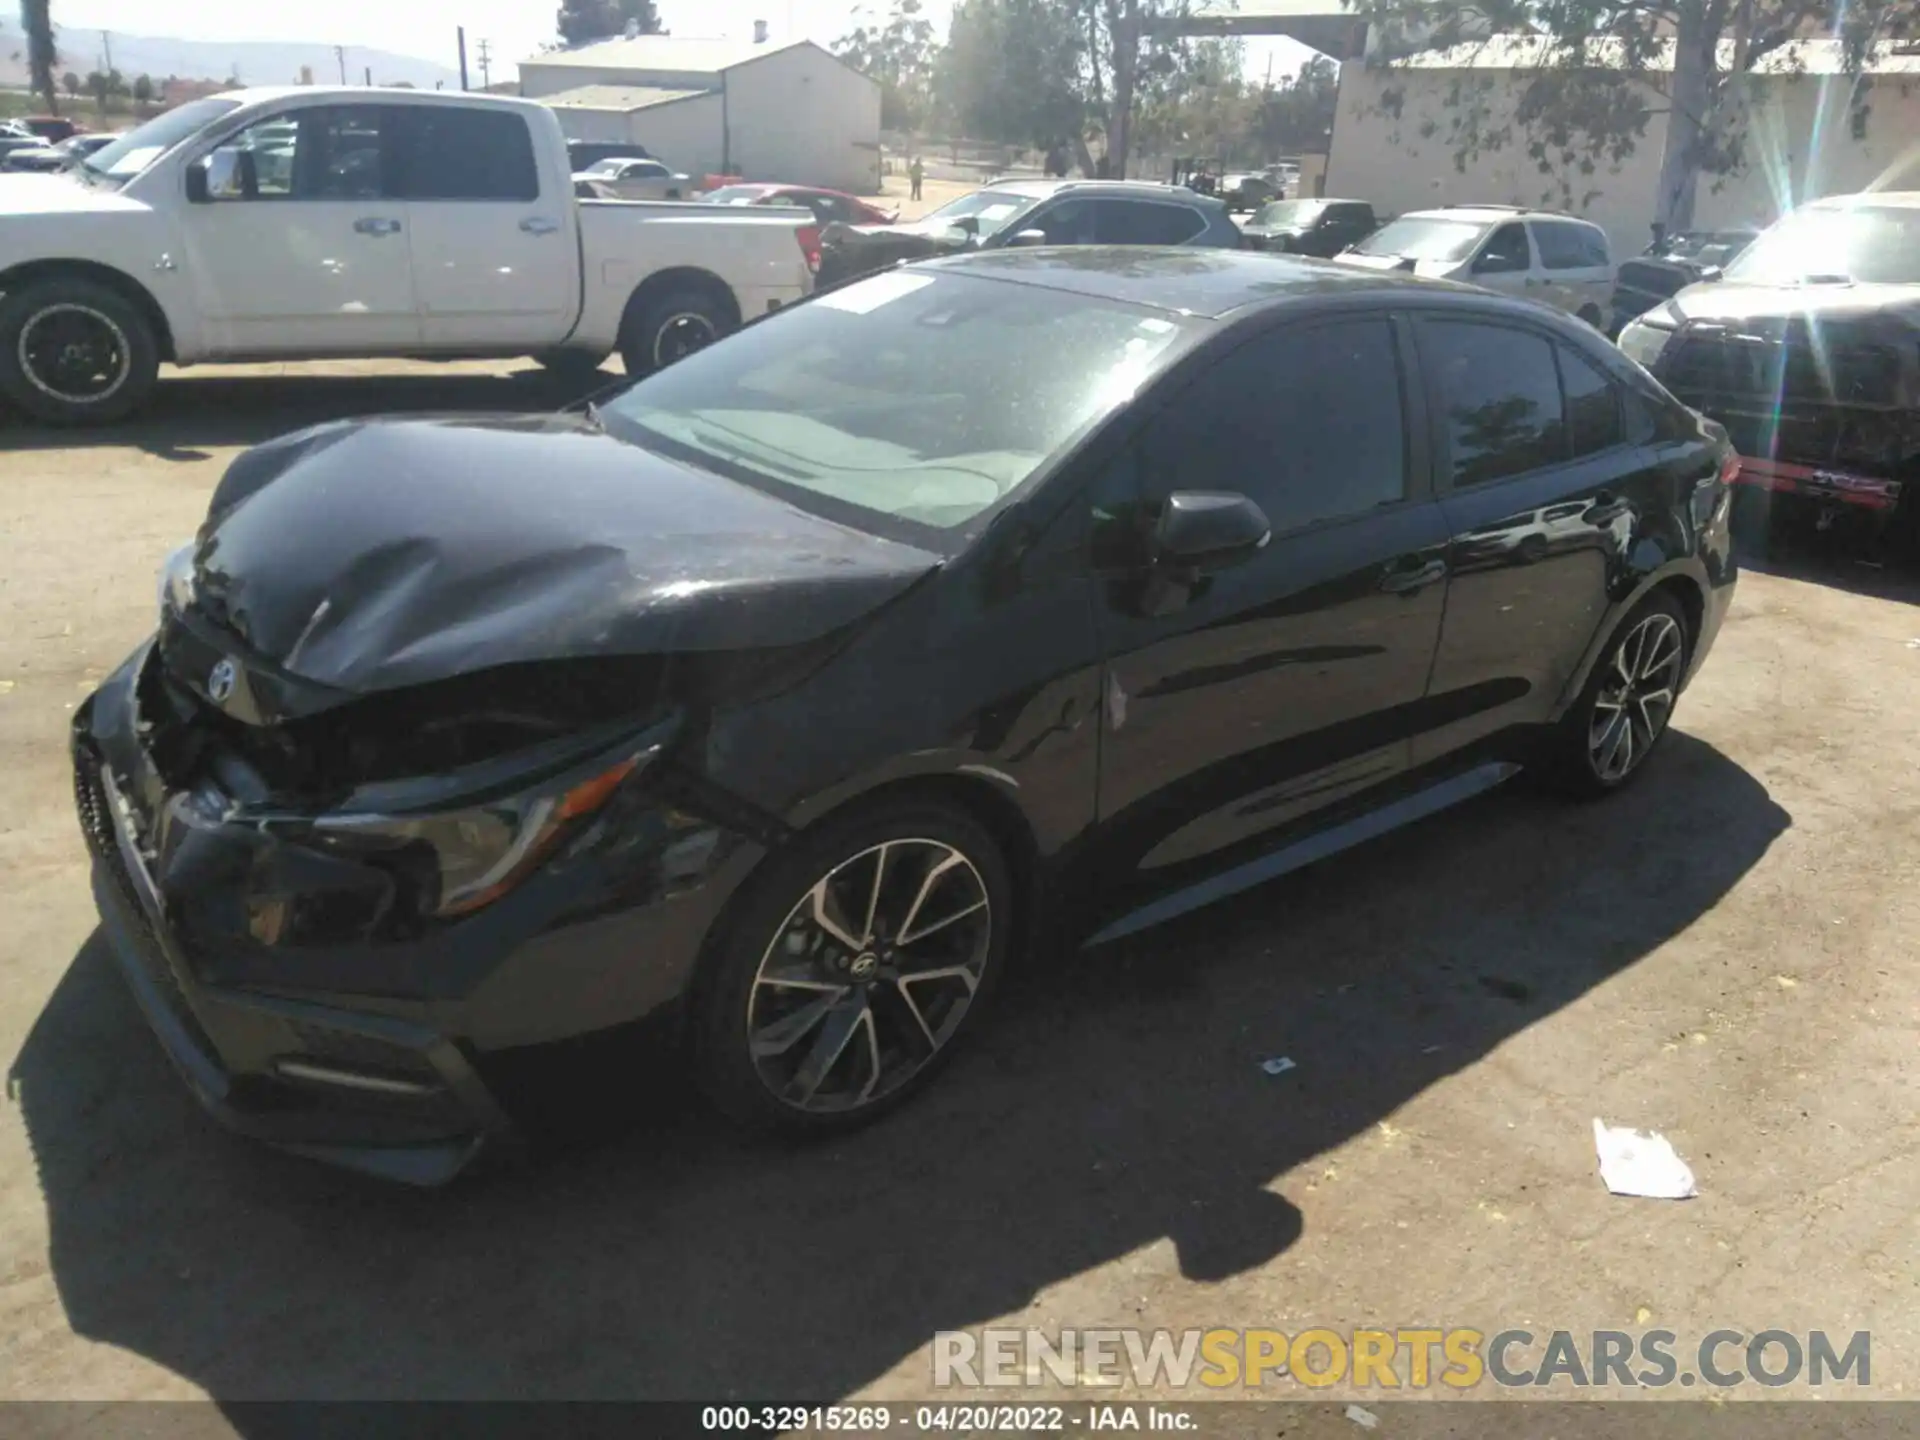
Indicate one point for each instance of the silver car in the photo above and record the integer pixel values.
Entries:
(636, 180)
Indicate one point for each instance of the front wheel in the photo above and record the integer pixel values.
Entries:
(1625, 710)
(73, 352)
(851, 969)
(671, 328)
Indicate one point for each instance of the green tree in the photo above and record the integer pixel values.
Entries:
(36, 18)
(1010, 73)
(143, 89)
(897, 50)
(70, 83)
(581, 22)
(1590, 74)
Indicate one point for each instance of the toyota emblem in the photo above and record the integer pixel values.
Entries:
(220, 681)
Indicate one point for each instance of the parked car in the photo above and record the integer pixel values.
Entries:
(1808, 351)
(1248, 191)
(18, 138)
(829, 207)
(50, 128)
(430, 224)
(585, 154)
(1667, 269)
(1023, 594)
(1538, 254)
(65, 154)
(1309, 227)
(1032, 212)
(637, 180)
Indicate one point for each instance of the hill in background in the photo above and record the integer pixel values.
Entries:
(258, 62)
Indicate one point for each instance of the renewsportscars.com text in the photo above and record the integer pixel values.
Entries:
(1398, 1359)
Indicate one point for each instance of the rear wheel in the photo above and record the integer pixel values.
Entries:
(671, 327)
(852, 969)
(1624, 712)
(74, 352)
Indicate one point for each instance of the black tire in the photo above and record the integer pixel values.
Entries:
(1579, 760)
(101, 371)
(576, 367)
(669, 327)
(771, 924)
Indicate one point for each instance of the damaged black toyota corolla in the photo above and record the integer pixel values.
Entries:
(824, 671)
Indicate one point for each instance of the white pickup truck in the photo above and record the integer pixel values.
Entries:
(312, 223)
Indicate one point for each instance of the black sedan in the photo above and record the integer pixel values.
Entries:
(1310, 227)
(950, 616)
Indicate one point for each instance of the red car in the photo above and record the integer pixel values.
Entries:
(827, 205)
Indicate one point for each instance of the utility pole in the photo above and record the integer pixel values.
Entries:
(106, 44)
(486, 68)
(460, 32)
(369, 74)
(340, 55)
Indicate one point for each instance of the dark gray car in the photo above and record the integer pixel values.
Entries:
(1034, 212)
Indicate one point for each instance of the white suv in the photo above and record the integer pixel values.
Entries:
(1536, 254)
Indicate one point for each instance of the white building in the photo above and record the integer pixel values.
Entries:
(762, 111)
(1811, 130)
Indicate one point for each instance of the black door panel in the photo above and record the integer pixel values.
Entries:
(1296, 678)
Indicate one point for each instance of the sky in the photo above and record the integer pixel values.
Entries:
(515, 28)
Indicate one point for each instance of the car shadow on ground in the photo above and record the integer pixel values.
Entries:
(1116, 1101)
(189, 416)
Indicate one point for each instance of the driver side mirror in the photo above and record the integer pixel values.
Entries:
(214, 177)
(1711, 273)
(1029, 237)
(1207, 531)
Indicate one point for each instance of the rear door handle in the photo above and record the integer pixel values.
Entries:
(376, 225)
(539, 225)
(1411, 575)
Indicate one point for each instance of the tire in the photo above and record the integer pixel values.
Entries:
(881, 1024)
(1653, 646)
(670, 327)
(575, 367)
(75, 352)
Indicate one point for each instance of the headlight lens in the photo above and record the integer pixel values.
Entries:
(476, 855)
(1646, 339)
(176, 579)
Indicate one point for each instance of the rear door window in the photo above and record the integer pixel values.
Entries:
(1499, 398)
(1565, 246)
(1593, 405)
(450, 152)
(1146, 222)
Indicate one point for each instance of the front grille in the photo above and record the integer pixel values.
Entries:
(90, 799)
(1795, 371)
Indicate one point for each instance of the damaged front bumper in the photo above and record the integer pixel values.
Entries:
(301, 1010)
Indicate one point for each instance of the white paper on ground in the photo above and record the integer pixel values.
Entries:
(1638, 1162)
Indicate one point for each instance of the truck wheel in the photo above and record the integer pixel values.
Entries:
(73, 352)
(671, 328)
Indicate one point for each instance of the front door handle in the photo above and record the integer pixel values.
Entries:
(376, 225)
(539, 225)
(1411, 575)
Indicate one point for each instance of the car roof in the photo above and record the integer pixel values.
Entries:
(1187, 280)
(1493, 214)
(1139, 189)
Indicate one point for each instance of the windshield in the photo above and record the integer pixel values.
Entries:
(134, 151)
(907, 396)
(1870, 245)
(1415, 238)
(604, 167)
(993, 209)
(1290, 212)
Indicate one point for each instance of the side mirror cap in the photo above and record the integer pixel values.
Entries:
(1209, 530)
(198, 192)
(1029, 237)
(1711, 273)
(219, 177)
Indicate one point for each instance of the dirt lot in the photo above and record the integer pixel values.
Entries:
(1720, 954)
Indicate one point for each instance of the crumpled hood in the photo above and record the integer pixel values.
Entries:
(372, 555)
(848, 250)
(1729, 302)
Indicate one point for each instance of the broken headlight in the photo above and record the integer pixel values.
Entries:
(462, 859)
(176, 580)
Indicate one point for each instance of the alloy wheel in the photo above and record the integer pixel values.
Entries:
(74, 353)
(1635, 698)
(869, 976)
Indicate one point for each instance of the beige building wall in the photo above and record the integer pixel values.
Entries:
(1801, 145)
(801, 116)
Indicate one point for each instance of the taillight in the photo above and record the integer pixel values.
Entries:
(1730, 468)
(809, 238)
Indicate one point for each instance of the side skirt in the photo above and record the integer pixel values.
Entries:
(1344, 836)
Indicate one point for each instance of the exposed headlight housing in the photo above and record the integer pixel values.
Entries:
(466, 858)
(1646, 339)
